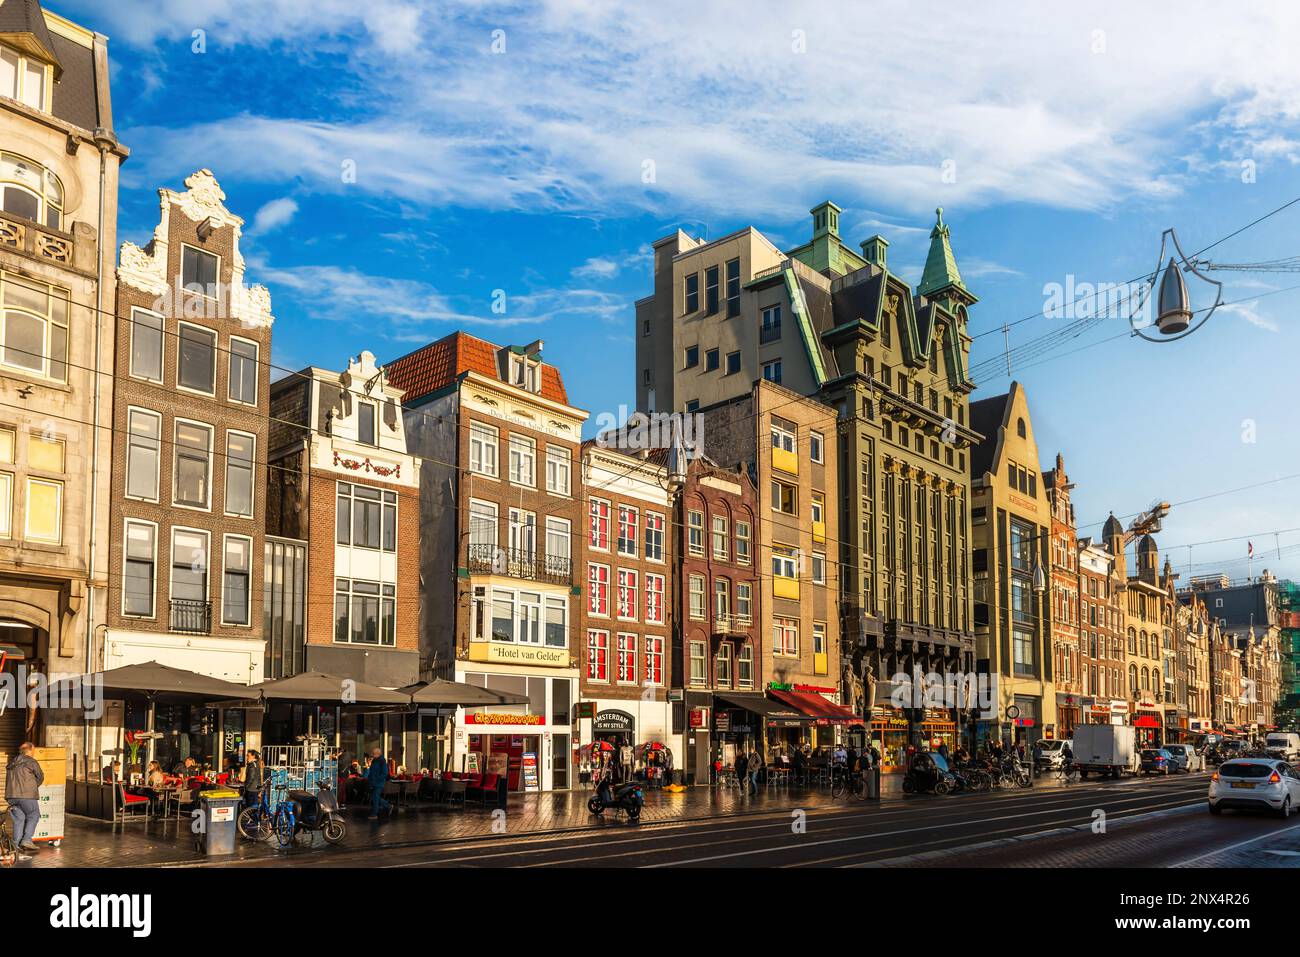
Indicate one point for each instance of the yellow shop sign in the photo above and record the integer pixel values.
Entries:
(519, 654)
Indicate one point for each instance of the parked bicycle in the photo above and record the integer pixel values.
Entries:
(848, 784)
(8, 846)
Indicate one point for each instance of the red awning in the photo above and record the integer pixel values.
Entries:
(816, 706)
(1146, 721)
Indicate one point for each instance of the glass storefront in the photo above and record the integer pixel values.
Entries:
(187, 731)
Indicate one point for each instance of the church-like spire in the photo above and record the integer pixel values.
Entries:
(941, 275)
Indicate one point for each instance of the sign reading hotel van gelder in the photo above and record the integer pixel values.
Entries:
(519, 654)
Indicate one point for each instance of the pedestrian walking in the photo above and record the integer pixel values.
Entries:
(377, 775)
(23, 780)
(756, 766)
(742, 770)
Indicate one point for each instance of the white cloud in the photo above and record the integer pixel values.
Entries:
(598, 267)
(735, 122)
(273, 215)
(1250, 312)
(413, 310)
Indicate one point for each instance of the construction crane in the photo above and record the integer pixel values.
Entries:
(1147, 523)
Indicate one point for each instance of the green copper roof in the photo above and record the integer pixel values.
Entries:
(940, 266)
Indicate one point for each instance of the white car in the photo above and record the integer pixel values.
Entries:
(1052, 753)
(1186, 757)
(1255, 784)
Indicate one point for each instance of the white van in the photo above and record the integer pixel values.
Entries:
(1284, 745)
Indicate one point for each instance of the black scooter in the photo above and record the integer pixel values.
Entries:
(318, 812)
(626, 797)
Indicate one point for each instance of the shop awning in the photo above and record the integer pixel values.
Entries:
(441, 693)
(149, 681)
(1146, 721)
(314, 687)
(761, 705)
(815, 706)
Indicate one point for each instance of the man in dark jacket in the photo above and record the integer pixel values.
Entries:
(23, 780)
(377, 775)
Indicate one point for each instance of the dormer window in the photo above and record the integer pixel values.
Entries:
(29, 190)
(525, 373)
(23, 79)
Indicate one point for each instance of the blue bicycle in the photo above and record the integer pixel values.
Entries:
(259, 822)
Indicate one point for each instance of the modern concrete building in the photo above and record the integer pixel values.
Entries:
(833, 323)
(59, 160)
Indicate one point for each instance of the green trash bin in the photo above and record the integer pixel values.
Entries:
(220, 818)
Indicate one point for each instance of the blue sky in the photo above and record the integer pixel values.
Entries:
(1059, 146)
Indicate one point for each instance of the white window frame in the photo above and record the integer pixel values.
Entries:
(654, 598)
(207, 561)
(20, 80)
(720, 538)
(216, 351)
(654, 651)
(526, 449)
(204, 252)
(691, 528)
(785, 562)
(702, 592)
(654, 523)
(176, 446)
(629, 516)
(748, 538)
(818, 568)
(7, 518)
(132, 411)
(626, 643)
(785, 634)
(559, 462)
(153, 598)
(702, 658)
(816, 446)
(745, 655)
(599, 509)
(48, 326)
(594, 580)
(561, 528)
(479, 442)
(496, 518)
(252, 479)
(629, 584)
(592, 644)
(162, 346)
(248, 539)
(257, 363)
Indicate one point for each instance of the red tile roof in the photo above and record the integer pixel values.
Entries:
(436, 366)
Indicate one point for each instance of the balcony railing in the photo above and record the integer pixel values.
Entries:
(769, 333)
(516, 563)
(191, 617)
(731, 624)
(35, 239)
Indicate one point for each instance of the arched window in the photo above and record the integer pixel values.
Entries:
(1132, 642)
(29, 190)
(1133, 679)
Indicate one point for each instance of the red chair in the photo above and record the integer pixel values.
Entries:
(488, 790)
(129, 805)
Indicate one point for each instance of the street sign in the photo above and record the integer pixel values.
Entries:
(1013, 712)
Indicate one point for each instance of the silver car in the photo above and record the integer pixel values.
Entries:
(1255, 784)
(1185, 758)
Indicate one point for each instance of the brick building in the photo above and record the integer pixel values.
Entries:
(503, 508)
(187, 508)
(627, 618)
